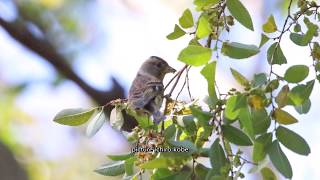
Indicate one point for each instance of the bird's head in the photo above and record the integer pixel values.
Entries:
(156, 67)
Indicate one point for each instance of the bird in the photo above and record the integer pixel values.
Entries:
(147, 90)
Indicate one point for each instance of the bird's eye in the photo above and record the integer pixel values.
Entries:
(159, 65)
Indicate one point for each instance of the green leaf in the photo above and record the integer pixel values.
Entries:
(217, 156)
(204, 3)
(170, 131)
(261, 121)
(209, 72)
(128, 166)
(270, 26)
(303, 40)
(204, 27)
(162, 174)
(259, 80)
(186, 20)
(268, 174)
(201, 171)
(195, 55)
(279, 159)
(263, 40)
(246, 120)
(260, 165)
(186, 144)
(240, 78)
(189, 125)
(282, 97)
(300, 93)
(241, 102)
(120, 157)
(275, 54)
(260, 147)
(240, 13)
(116, 118)
(298, 39)
(292, 141)
(304, 107)
(272, 85)
(238, 50)
(111, 169)
(296, 73)
(73, 117)
(161, 162)
(96, 123)
(283, 117)
(236, 136)
(177, 32)
(201, 115)
(229, 112)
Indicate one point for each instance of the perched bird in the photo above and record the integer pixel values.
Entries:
(147, 90)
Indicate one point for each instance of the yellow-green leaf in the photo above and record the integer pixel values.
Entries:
(177, 32)
(195, 55)
(270, 26)
(186, 20)
(283, 117)
(239, 78)
(268, 174)
(263, 40)
(204, 27)
(282, 97)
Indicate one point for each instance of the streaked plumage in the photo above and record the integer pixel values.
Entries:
(146, 91)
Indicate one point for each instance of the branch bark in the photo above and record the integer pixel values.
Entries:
(19, 31)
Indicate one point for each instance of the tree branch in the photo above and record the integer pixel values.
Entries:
(19, 31)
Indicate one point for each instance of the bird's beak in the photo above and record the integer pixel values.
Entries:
(170, 70)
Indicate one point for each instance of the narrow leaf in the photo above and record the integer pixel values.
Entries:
(96, 123)
(282, 97)
(261, 121)
(239, 78)
(238, 50)
(209, 72)
(217, 156)
(120, 157)
(280, 160)
(116, 118)
(177, 32)
(111, 169)
(240, 13)
(236, 136)
(292, 141)
(283, 117)
(73, 117)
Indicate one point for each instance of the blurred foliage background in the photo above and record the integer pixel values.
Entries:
(56, 54)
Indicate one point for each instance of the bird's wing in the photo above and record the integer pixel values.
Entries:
(144, 90)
